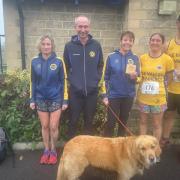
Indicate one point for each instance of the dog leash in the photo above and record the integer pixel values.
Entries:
(118, 119)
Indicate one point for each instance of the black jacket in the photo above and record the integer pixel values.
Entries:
(84, 64)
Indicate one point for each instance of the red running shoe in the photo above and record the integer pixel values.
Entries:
(53, 157)
(45, 157)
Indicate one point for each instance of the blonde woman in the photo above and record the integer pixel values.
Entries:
(48, 95)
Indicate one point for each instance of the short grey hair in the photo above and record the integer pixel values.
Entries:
(77, 18)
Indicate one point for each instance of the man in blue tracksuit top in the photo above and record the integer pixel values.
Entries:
(120, 73)
(84, 59)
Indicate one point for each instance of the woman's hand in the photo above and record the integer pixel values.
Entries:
(32, 106)
(133, 75)
(105, 101)
(64, 107)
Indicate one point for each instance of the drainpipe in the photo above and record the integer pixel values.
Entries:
(21, 23)
(1, 61)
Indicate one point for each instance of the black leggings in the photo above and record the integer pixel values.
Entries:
(173, 102)
(85, 104)
(122, 108)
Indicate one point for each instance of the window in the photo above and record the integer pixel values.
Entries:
(2, 39)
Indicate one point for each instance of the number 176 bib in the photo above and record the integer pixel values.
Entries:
(150, 87)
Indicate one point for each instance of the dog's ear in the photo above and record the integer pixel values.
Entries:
(139, 148)
(157, 147)
(139, 142)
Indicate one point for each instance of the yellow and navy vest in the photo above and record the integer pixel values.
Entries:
(153, 71)
(173, 50)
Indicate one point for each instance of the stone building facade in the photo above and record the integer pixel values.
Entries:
(108, 18)
(56, 17)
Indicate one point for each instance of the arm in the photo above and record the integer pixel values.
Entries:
(105, 81)
(32, 87)
(66, 58)
(138, 70)
(169, 77)
(101, 62)
(169, 70)
(139, 78)
(63, 76)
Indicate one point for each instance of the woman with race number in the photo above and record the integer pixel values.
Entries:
(155, 65)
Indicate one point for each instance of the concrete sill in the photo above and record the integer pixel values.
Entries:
(33, 145)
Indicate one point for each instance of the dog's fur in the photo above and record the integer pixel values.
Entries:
(125, 155)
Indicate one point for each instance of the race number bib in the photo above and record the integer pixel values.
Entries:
(150, 87)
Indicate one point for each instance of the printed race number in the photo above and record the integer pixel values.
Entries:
(150, 87)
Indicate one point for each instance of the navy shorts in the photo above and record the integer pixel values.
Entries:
(173, 102)
(48, 106)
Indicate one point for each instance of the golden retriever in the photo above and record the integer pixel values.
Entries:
(125, 155)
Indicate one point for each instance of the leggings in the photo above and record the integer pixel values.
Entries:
(122, 108)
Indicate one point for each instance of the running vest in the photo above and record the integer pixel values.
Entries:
(153, 70)
(174, 51)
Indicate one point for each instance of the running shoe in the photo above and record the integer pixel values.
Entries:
(45, 157)
(52, 157)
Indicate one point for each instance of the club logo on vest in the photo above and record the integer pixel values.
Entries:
(53, 66)
(92, 54)
(159, 67)
(130, 61)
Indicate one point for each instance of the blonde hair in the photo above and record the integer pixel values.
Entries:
(42, 38)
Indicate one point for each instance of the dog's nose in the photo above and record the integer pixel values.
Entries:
(151, 159)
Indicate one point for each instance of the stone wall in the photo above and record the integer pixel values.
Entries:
(58, 19)
(143, 20)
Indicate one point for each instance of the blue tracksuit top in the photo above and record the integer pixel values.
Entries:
(117, 82)
(48, 79)
(84, 64)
